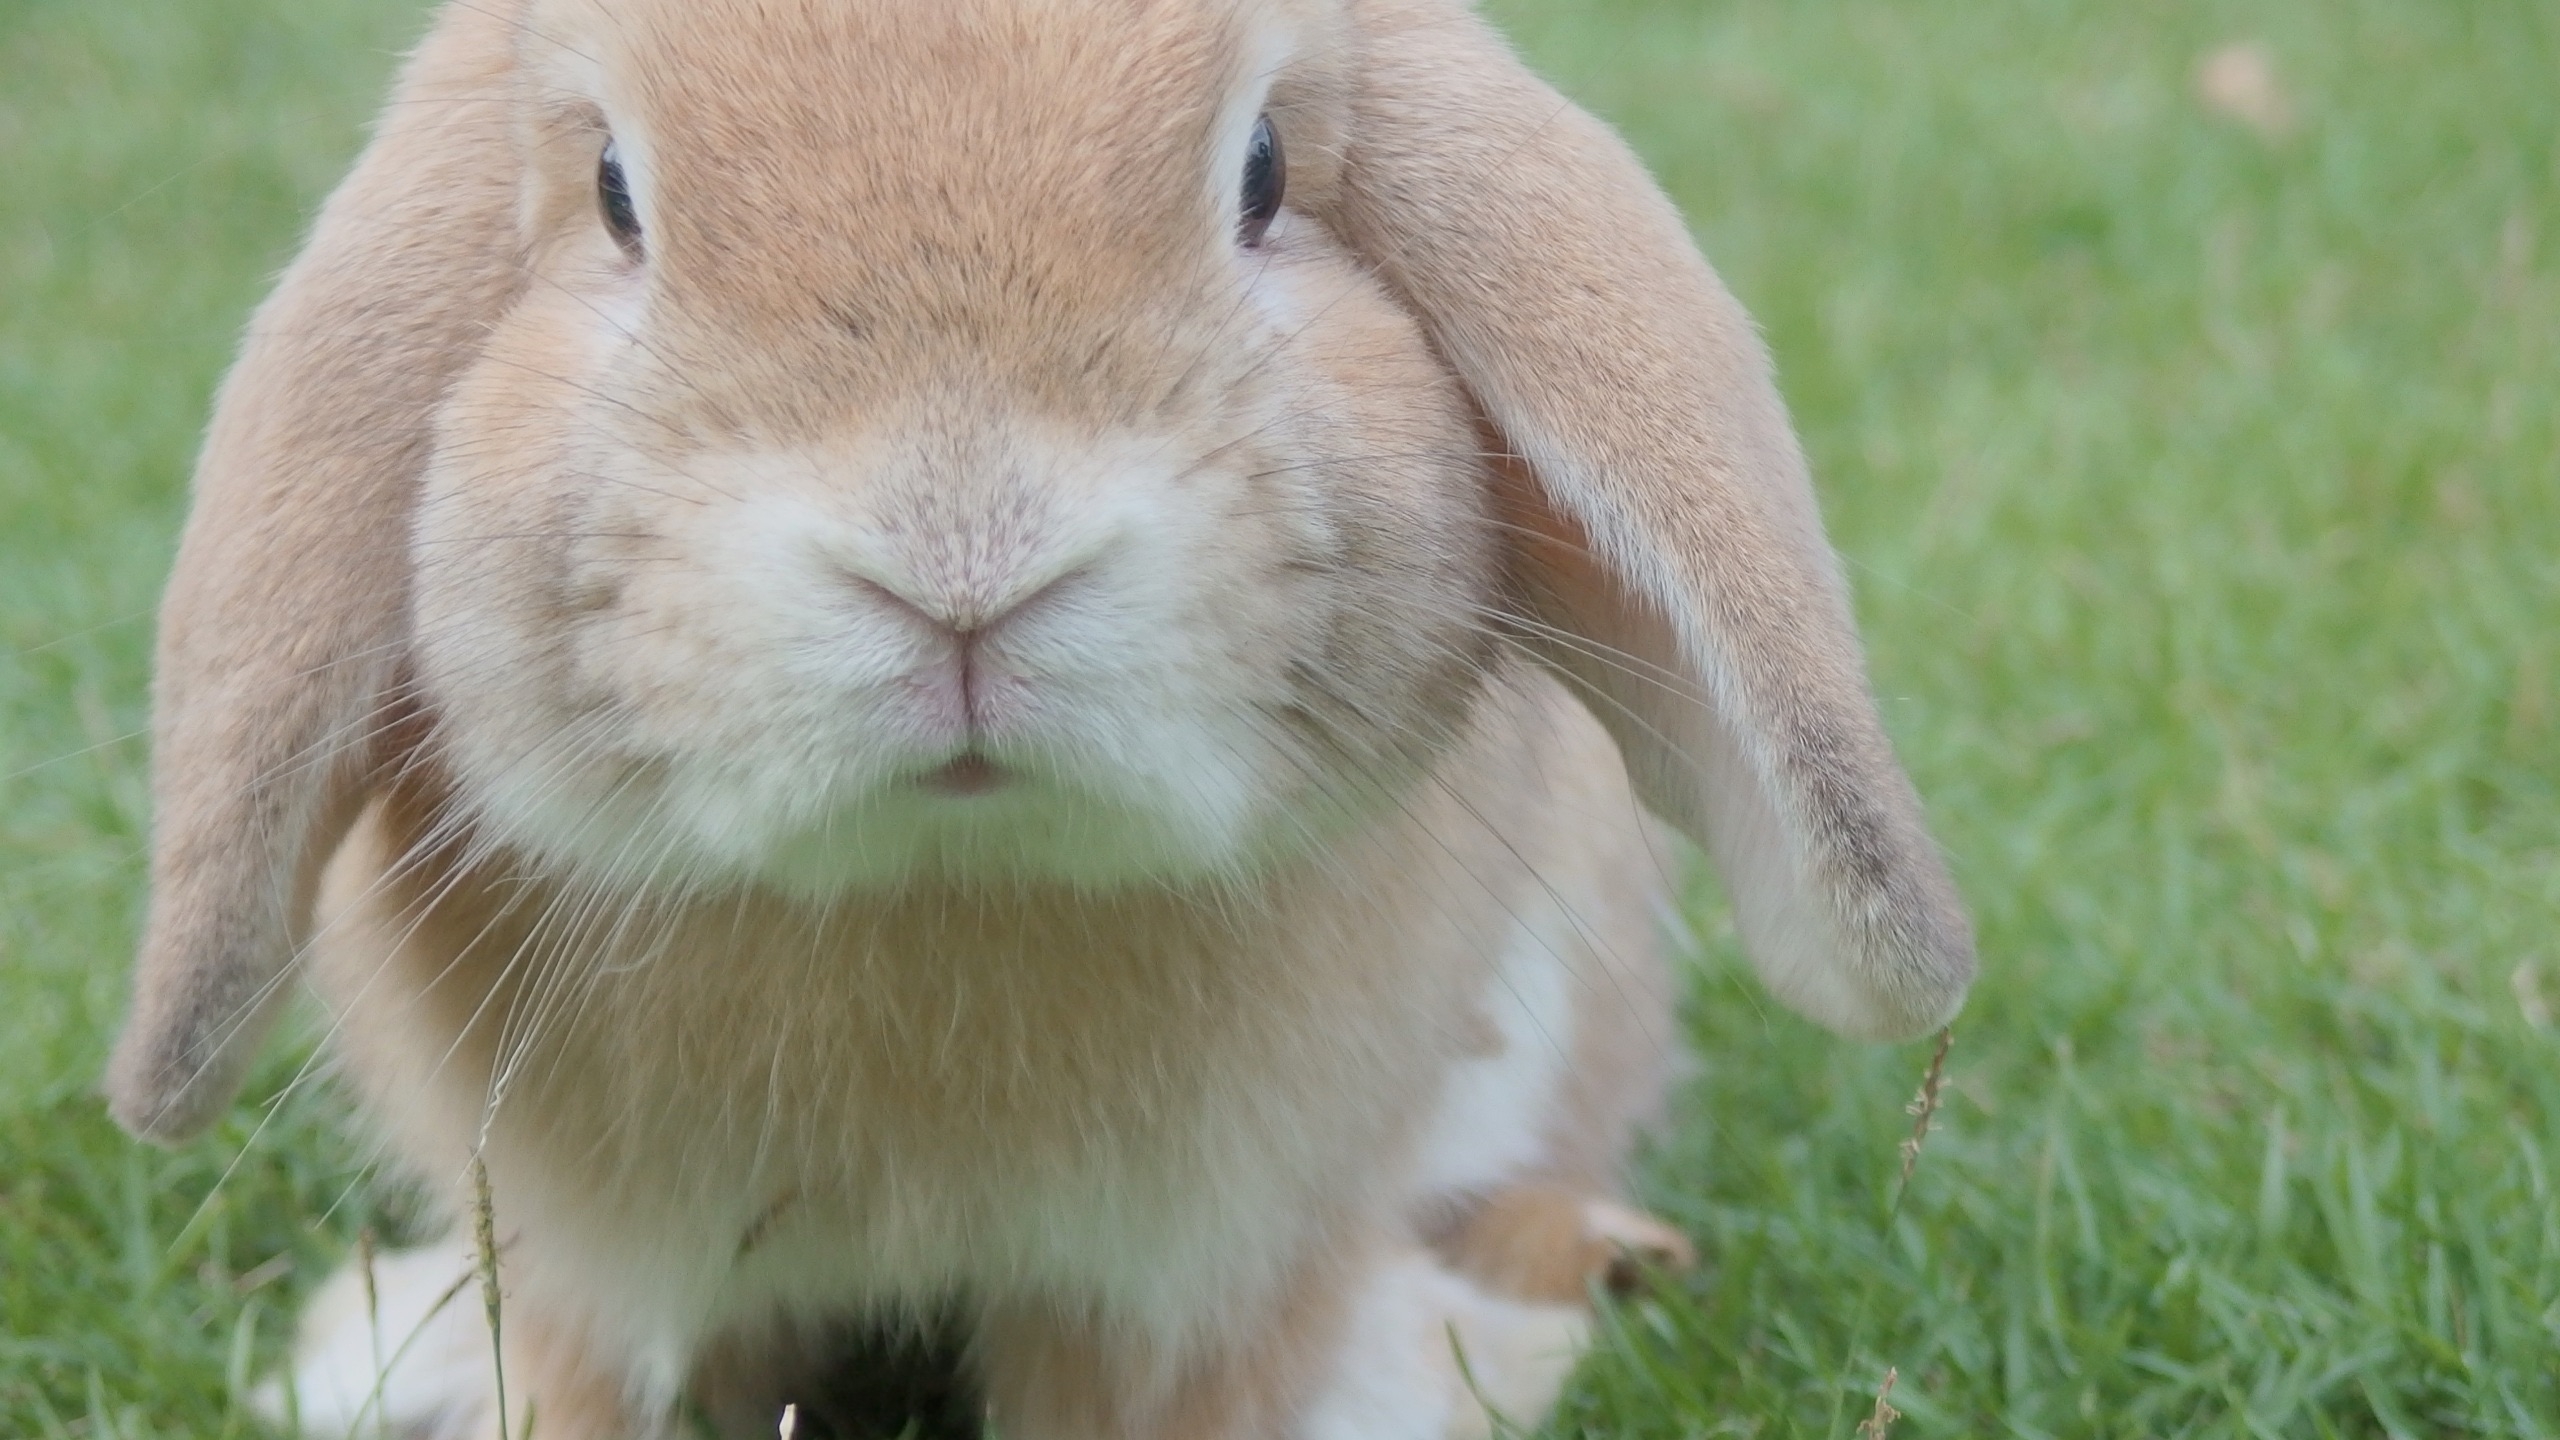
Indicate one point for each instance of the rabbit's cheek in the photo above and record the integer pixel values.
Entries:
(819, 669)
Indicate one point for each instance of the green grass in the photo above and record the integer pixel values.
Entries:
(2203, 494)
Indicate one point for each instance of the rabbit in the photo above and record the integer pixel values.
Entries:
(1015, 668)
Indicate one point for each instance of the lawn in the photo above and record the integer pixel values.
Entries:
(2200, 476)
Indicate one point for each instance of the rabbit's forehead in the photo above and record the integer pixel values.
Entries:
(837, 145)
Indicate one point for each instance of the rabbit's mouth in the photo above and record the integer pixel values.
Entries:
(967, 774)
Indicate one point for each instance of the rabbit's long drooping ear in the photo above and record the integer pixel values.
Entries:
(281, 632)
(1673, 563)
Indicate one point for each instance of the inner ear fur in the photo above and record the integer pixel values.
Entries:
(1671, 559)
(283, 625)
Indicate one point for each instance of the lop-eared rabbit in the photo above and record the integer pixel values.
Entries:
(1000, 671)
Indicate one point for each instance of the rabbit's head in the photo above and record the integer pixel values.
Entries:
(938, 439)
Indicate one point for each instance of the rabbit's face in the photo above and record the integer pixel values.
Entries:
(919, 446)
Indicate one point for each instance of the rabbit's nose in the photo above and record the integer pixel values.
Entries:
(961, 612)
(962, 692)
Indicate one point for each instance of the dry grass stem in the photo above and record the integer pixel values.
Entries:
(365, 1256)
(484, 1239)
(1923, 1109)
(1879, 1423)
(373, 1397)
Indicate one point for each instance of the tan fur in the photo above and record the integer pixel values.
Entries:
(1054, 1373)
(1540, 1242)
(1636, 388)
(898, 1128)
(556, 1391)
(926, 295)
(1687, 580)
(279, 635)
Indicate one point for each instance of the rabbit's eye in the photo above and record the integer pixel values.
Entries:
(614, 193)
(1266, 179)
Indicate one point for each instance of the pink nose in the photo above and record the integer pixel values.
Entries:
(962, 615)
(962, 690)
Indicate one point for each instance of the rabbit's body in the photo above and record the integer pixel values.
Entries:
(940, 689)
(1155, 1115)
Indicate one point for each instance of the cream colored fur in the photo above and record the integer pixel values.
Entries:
(934, 731)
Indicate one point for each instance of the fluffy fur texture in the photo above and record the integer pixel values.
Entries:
(937, 736)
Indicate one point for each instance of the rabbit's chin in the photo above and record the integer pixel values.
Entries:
(993, 819)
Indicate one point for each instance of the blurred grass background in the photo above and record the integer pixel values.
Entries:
(2194, 441)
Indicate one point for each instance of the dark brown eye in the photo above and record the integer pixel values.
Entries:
(1266, 179)
(613, 192)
